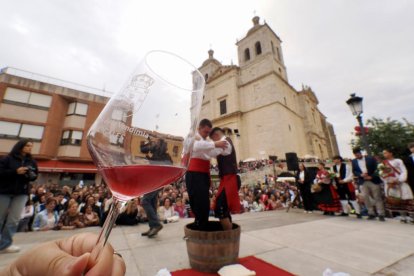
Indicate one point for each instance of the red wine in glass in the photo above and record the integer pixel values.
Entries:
(128, 181)
(141, 140)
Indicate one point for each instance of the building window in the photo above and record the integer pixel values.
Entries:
(290, 129)
(175, 151)
(284, 100)
(16, 130)
(206, 77)
(246, 54)
(71, 137)
(223, 107)
(76, 108)
(32, 99)
(273, 47)
(280, 70)
(278, 53)
(258, 48)
(117, 139)
(119, 115)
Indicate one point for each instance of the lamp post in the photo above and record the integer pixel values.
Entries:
(355, 104)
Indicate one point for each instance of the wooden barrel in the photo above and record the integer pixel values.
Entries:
(210, 250)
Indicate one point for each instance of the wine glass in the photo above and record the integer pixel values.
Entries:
(144, 136)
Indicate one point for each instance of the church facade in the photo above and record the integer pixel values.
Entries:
(258, 108)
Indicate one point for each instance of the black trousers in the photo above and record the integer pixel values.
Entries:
(305, 193)
(198, 188)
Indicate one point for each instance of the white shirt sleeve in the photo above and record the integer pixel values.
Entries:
(228, 150)
(215, 152)
(203, 145)
(402, 177)
(188, 142)
(348, 175)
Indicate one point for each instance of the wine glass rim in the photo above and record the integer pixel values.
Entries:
(176, 56)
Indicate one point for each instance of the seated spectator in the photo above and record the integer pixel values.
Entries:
(244, 204)
(40, 205)
(142, 216)
(90, 200)
(26, 216)
(71, 219)
(129, 216)
(60, 200)
(39, 192)
(180, 208)
(258, 205)
(167, 213)
(90, 217)
(272, 204)
(48, 218)
(187, 205)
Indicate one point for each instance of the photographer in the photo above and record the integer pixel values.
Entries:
(17, 169)
(160, 155)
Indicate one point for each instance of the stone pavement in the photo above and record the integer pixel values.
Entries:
(304, 244)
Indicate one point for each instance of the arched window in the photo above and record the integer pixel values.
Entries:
(206, 77)
(258, 48)
(246, 54)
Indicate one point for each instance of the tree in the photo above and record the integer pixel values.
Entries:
(388, 133)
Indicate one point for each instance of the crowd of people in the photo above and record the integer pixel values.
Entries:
(366, 187)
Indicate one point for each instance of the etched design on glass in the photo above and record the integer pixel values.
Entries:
(138, 89)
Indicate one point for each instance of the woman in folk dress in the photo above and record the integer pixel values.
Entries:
(327, 198)
(399, 197)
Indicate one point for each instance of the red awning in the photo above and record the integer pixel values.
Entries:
(66, 166)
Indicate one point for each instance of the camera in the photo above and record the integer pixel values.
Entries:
(31, 173)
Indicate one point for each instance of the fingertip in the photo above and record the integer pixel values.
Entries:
(77, 266)
(119, 266)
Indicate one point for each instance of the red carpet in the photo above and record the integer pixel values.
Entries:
(261, 267)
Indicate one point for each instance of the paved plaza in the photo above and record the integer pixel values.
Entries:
(303, 244)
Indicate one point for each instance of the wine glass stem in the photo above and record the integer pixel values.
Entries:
(110, 221)
(106, 229)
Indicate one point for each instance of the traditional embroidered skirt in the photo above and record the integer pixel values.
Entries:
(399, 198)
(328, 199)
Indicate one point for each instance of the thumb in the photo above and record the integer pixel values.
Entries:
(75, 265)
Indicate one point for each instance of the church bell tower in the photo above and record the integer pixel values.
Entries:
(261, 45)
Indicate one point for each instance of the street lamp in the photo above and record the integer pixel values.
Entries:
(355, 104)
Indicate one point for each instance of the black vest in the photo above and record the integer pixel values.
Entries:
(342, 171)
(227, 164)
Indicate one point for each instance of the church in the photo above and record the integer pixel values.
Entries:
(258, 108)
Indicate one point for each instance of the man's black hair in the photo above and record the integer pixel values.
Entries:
(215, 130)
(337, 157)
(204, 123)
(356, 150)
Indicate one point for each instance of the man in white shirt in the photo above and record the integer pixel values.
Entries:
(197, 178)
(364, 168)
(345, 186)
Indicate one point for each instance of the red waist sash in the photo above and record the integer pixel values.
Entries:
(199, 165)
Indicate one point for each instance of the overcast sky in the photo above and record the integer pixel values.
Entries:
(335, 46)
